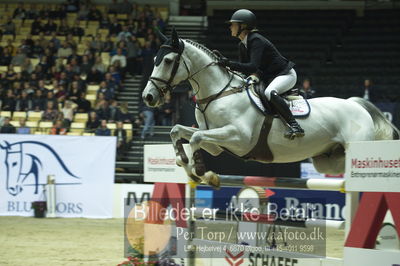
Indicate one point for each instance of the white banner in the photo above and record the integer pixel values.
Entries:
(83, 167)
(127, 195)
(373, 166)
(160, 164)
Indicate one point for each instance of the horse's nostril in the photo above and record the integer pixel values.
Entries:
(149, 98)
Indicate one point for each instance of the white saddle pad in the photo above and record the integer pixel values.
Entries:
(297, 104)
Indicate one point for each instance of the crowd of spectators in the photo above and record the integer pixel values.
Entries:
(68, 59)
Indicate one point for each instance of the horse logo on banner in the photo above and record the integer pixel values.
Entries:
(27, 161)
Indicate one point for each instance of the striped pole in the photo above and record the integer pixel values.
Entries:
(235, 216)
(282, 182)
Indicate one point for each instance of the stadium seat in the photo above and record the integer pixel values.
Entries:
(45, 127)
(91, 98)
(92, 89)
(87, 134)
(81, 117)
(32, 124)
(77, 127)
(74, 133)
(34, 116)
(5, 114)
(18, 115)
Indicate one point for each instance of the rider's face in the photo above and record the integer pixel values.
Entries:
(234, 27)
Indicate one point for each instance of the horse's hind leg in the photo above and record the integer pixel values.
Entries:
(332, 162)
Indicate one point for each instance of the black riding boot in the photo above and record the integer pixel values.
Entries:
(281, 107)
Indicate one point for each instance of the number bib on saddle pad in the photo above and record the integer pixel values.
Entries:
(297, 104)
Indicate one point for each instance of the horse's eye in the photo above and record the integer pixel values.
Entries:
(168, 61)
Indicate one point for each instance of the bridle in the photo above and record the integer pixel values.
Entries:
(168, 86)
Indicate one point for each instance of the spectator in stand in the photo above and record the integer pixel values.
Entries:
(108, 92)
(50, 98)
(94, 76)
(96, 44)
(72, 6)
(119, 57)
(125, 7)
(9, 27)
(24, 103)
(50, 27)
(36, 26)
(37, 50)
(8, 102)
(166, 111)
(115, 27)
(368, 92)
(32, 12)
(124, 114)
(104, 112)
(60, 93)
(84, 106)
(19, 58)
(99, 64)
(50, 114)
(103, 130)
(306, 90)
(64, 51)
(120, 133)
(68, 110)
(147, 114)
(7, 127)
(5, 58)
(93, 122)
(112, 7)
(54, 39)
(124, 34)
(133, 53)
(83, 12)
(19, 12)
(74, 91)
(71, 41)
(108, 45)
(94, 14)
(23, 129)
(58, 128)
(63, 29)
(38, 101)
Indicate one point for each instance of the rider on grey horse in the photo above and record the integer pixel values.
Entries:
(260, 58)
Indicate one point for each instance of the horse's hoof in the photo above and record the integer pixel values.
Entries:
(212, 179)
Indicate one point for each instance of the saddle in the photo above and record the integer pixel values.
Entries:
(297, 104)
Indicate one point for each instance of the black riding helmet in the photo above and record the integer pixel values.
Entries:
(244, 16)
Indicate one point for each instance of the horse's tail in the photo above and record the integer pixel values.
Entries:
(384, 129)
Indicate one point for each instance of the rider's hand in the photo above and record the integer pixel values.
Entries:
(222, 60)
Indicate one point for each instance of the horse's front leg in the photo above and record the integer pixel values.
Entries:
(180, 132)
(228, 136)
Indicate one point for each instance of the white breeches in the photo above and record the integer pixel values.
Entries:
(281, 84)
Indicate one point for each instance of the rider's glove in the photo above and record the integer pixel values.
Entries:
(222, 60)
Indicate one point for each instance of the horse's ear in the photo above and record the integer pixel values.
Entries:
(174, 38)
(160, 35)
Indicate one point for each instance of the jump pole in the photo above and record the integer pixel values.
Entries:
(282, 182)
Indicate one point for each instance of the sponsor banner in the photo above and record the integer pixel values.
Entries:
(320, 204)
(373, 166)
(160, 164)
(127, 195)
(370, 257)
(83, 168)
